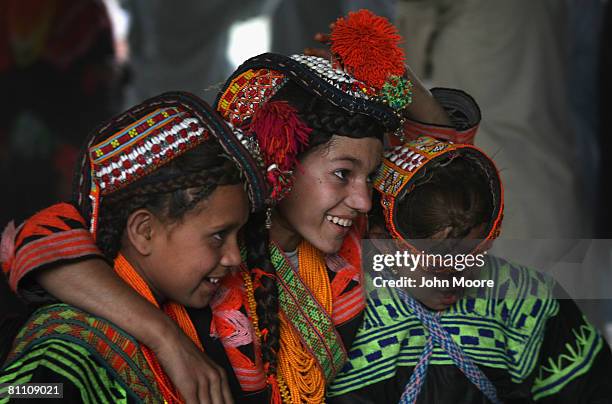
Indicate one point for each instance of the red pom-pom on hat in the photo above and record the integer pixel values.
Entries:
(280, 132)
(368, 47)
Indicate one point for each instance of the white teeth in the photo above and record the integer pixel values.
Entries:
(339, 221)
(213, 280)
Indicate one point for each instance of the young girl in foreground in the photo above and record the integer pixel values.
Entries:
(515, 342)
(165, 203)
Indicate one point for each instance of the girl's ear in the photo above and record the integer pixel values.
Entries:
(139, 231)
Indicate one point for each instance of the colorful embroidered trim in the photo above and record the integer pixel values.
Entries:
(69, 244)
(348, 302)
(402, 163)
(232, 300)
(118, 351)
(413, 130)
(306, 315)
(72, 365)
(576, 361)
(54, 234)
(246, 92)
(142, 147)
(497, 333)
(314, 82)
(336, 76)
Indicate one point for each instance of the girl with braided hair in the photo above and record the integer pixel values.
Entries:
(165, 204)
(520, 341)
(314, 130)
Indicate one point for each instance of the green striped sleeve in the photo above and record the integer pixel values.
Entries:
(60, 361)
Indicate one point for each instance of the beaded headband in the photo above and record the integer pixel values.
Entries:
(395, 180)
(150, 142)
(357, 80)
(153, 134)
(260, 77)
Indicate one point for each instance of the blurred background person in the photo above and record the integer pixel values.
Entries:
(56, 57)
(519, 60)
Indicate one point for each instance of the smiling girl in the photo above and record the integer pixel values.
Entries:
(165, 204)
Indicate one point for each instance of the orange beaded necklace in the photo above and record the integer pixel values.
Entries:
(175, 311)
(304, 378)
(298, 378)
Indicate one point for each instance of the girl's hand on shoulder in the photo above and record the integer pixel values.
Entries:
(197, 377)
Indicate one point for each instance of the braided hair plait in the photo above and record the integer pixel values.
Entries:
(327, 120)
(169, 193)
(327, 123)
(266, 295)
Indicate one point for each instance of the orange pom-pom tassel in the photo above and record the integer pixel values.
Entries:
(367, 45)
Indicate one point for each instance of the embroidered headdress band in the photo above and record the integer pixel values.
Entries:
(396, 178)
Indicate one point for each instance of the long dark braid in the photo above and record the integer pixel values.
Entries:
(266, 295)
(325, 120)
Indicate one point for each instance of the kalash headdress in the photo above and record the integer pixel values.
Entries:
(143, 139)
(365, 76)
(400, 171)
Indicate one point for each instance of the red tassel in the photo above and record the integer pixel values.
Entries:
(368, 47)
(280, 132)
(275, 395)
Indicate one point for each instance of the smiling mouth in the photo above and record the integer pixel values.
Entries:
(339, 221)
(212, 280)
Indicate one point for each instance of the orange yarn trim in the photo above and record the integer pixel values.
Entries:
(176, 311)
(299, 369)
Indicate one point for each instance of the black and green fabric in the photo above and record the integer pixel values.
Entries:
(94, 360)
(533, 346)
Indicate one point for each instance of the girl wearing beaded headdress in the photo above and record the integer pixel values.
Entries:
(314, 130)
(317, 133)
(514, 342)
(165, 204)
